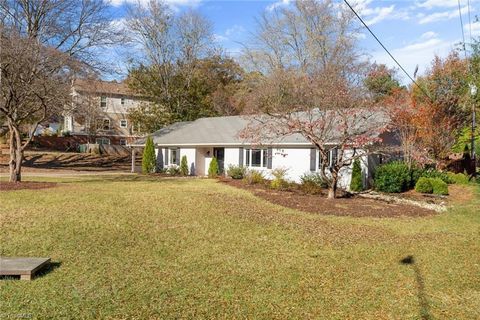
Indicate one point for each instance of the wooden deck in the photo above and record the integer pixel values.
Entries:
(23, 267)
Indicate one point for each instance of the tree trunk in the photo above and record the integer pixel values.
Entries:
(16, 155)
(332, 190)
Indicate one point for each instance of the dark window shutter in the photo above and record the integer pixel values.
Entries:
(177, 162)
(166, 156)
(313, 158)
(269, 158)
(240, 157)
(334, 155)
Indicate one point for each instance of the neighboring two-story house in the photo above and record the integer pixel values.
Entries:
(99, 112)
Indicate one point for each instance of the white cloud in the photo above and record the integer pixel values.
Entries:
(439, 16)
(475, 27)
(420, 52)
(428, 35)
(279, 3)
(234, 31)
(373, 15)
(430, 4)
(380, 14)
(219, 38)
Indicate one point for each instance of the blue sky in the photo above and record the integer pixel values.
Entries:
(413, 30)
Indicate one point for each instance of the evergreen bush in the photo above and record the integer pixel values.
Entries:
(424, 185)
(356, 184)
(439, 186)
(458, 178)
(213, 168)
(184, 166)
(393, 177)
(236, 172)
(148, 158)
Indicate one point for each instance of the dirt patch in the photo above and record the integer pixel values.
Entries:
(29, 185)
(38, 161)
(346, 206)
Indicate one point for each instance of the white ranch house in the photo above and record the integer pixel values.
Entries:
(205, 138)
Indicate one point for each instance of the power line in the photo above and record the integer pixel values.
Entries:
(383, 46)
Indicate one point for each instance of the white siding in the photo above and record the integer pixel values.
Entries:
(231, 157)
(190, 153)
(295, 160)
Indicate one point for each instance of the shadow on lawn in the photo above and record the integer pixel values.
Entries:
(422, 297)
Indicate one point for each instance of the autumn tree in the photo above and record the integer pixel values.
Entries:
(43, 43)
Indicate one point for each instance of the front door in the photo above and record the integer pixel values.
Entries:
(219, 153)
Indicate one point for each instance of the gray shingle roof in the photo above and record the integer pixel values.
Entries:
(215, 131)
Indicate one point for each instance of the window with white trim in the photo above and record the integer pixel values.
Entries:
(123, 142)
(123, 123)
(173, 156)
(122, 101)
(256, 157)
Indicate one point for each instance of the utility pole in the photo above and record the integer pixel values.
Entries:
(473, 93)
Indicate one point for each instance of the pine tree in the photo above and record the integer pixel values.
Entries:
(356, 184)
(213, 168)
(184, 166)
(148, 159)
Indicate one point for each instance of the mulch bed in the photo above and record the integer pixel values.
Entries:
(30, 185)
(346, 205)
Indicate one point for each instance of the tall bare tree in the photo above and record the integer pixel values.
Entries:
(179, 67)
(43, 42)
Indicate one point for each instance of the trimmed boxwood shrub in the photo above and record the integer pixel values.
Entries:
(356, 184)
(393, 177)
(424, 185)
(213, 168)
(432, 173)
(236, 172)
(439, 186)
(458, 178)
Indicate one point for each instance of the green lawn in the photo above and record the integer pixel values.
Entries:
(133, 247)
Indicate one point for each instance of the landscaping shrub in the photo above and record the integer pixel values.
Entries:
(312, 183)
(439, 186)
(254, 177)
(392, 177)
(236, 172)
(356, 184)
(173, 170)
(432, 173)
(458, 178)
(148, 158)
(424, 185)
(184, 166)
(213, 168)
(279, 181)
